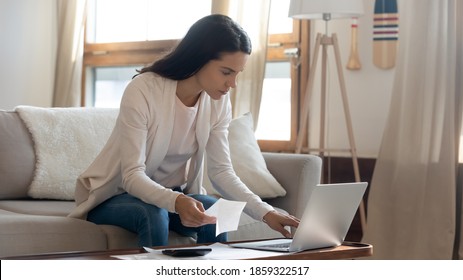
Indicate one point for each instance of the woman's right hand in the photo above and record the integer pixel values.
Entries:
(191, 212)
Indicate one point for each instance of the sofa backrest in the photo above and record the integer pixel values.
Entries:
(17, 157)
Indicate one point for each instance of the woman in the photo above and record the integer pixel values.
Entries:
(148, 177)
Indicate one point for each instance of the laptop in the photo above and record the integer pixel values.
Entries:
(324, 223)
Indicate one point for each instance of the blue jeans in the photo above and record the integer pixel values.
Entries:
(151, 223)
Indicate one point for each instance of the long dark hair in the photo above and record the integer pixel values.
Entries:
(206, 40)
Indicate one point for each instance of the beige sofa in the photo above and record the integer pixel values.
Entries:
(34, 226)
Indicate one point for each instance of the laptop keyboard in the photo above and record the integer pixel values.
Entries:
(280, 245)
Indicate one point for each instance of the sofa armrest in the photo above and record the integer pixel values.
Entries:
(298, 174)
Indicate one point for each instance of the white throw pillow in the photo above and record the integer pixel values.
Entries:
(247, 160)
(66, 141)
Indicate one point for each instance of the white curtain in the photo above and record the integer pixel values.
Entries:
(68, 70)
(458, 254)
(253, 16)
(412, 204)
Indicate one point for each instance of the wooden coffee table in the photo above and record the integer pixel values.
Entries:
(348, 250)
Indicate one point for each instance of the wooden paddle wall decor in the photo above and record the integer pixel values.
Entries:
(385, 33)
(354, 60)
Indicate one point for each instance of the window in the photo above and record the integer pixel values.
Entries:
(109, 84)
(142, 20)
(287, 61)
(276, 92)
(131, 35)
(276, 97)
(135, 33)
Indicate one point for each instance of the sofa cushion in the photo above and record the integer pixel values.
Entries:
(17, 159)
(119, 238)
(38, 207)
(31, 234)
(248, 161)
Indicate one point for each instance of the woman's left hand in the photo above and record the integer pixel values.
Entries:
(277, 221)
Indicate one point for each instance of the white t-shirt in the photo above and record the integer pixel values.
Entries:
(172, 172)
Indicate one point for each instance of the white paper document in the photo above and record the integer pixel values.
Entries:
(228, 214)
(219, 252)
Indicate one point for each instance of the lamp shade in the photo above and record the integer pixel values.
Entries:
(315, 9)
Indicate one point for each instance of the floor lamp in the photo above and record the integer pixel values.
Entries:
(327, 10)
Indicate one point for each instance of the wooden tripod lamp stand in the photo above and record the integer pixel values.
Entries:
(327, 10)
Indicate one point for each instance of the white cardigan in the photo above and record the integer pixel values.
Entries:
(139, 143)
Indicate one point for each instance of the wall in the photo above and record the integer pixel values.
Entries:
(27, 52)
(368, 89)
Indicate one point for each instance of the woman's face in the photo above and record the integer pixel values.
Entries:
(218, 76)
